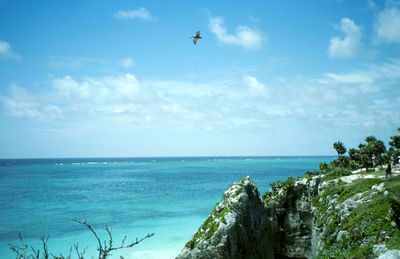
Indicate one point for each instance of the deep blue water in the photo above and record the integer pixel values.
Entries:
(168, 196)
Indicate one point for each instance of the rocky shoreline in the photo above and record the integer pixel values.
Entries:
(312, 216)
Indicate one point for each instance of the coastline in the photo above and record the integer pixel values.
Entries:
(134, 197)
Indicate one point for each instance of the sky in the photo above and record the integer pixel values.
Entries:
(124, 79)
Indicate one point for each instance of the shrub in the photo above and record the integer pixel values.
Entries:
(336, 173)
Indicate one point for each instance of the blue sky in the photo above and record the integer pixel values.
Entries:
(123, 78)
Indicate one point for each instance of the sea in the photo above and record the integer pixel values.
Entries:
(170, 197)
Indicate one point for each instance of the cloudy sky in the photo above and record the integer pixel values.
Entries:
(123, 78)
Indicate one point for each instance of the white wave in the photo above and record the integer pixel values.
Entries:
(89, 163)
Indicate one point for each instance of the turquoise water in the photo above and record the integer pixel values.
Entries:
(168, 196)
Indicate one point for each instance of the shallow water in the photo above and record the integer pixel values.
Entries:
(168, 196)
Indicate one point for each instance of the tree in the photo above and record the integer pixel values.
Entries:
(370, 139)
(365, 156)
(365, 161)
(340, 148)
(323, 166)
(362, 157)
(395, 140)
(394, 147)
(375, 148)
(355, 158)
(354, 155)
(104, 247)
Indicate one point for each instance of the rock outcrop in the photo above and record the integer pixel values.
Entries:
(291, 218)
(354, 216)
(236, 227)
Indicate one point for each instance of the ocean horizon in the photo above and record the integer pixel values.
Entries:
(168, 196)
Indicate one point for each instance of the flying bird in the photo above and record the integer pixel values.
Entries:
(196, 37)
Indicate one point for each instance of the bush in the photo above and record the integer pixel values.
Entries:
(324, 167)
(336, 173)
(342, 161)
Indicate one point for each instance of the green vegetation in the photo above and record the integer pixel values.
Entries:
(283, 184)
(394, 151)
(353, 216)
(340, 148)
(368, 155)
(208, 228)
(368, 224)
(336, 172)
(218, 213)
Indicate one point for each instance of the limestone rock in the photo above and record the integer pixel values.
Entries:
(236, 227)
(298, 218)
(379, 249)
(379, 187)
(291, 218)
(391, 254)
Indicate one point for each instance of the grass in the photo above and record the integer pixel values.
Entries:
(336, 173)
(210, 225)
(368, 224)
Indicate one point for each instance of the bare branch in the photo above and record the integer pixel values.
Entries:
(70, 251)
(105, 250)
(123, 240)
(45, 249)
(20, 251)
(36, 254)
(57, 257)
(77, 251)
(109, 234)
(140, 240)
(80, 255)
(100, 248)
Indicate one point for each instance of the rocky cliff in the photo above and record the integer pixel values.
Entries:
(236, 228)
(314, 216)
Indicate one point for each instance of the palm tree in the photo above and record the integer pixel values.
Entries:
(340, 148)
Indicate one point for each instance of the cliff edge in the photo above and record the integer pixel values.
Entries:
(235, 228)
(339, 214)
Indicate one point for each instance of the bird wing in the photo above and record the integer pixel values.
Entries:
(198, 34)
(195, 40)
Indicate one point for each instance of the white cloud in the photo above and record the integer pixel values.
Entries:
(127, 63)
(245, 36)
(387, 25)
(347, 46)
(99, 90)
(140, 13)
(6, 52)
(241, 103)
(353, 77)
(23, 104)
(256, 88)
(389, 70)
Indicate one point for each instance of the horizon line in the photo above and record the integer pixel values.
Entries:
(148, 157)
